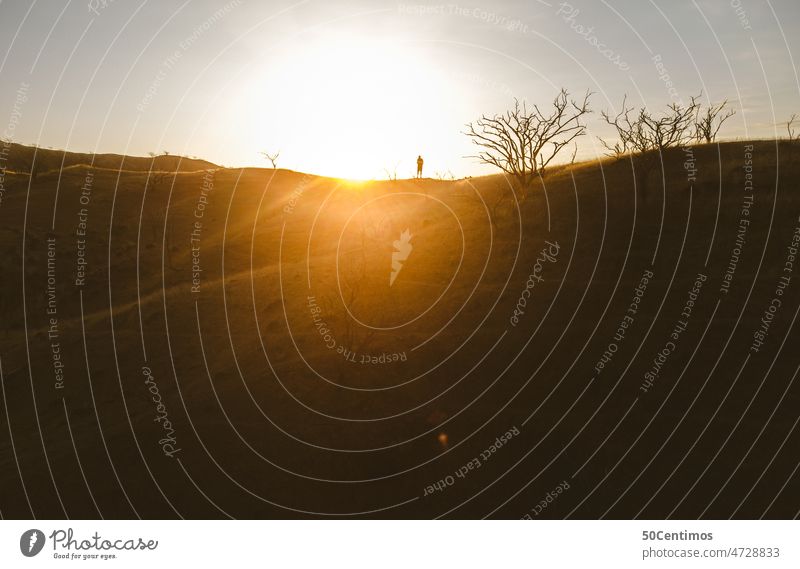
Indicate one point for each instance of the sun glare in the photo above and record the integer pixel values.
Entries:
(348, 108)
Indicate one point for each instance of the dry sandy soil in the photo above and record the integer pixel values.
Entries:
(234, 345)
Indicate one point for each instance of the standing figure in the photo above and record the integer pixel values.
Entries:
(419, 166)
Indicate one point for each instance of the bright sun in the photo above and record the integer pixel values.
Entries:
(347, 108)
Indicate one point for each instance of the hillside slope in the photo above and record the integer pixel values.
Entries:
(21, 158)
(233, 342)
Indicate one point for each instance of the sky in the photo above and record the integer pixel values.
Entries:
(358, 89)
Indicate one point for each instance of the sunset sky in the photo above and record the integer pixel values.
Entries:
(353, 88)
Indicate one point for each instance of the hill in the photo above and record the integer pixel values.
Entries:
(266, 343)
(21, 158)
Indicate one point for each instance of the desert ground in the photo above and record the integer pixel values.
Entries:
(185, 340)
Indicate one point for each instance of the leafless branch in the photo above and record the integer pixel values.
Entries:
(522, 141)
(710, 120)
(643, 131)
(640, 132)
(273, 158)
(392, 174)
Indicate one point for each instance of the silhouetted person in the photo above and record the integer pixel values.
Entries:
(419, 166)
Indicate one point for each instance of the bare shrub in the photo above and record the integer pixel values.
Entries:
(709, 121)
(522, 141)
(650, 135)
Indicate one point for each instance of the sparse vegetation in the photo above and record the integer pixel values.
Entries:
(391, 174)
(272, 157)
(640, 131)
(790, 127)
(522, 141)
(643, 131)
(710, 120)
